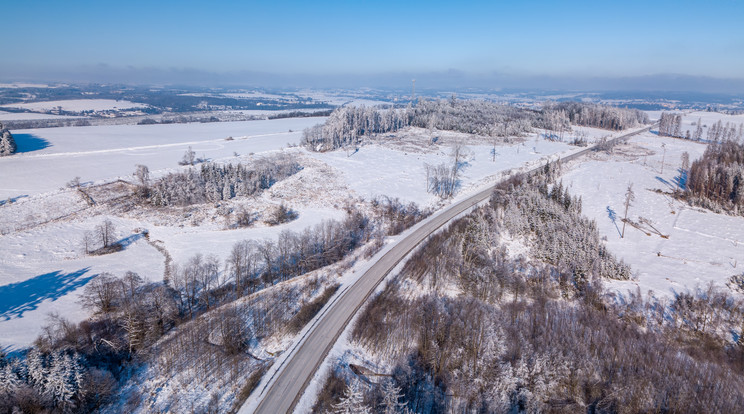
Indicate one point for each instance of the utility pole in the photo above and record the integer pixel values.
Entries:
(663, 157)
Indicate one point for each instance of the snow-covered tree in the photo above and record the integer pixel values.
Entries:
(7, 143)
(352, 402)
(698, 135)
(629, 198)
(391, 399)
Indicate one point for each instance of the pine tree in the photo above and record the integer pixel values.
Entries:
(7, 143)
(9, 380)
(37, 370)
(391, 397)
(61, 386)
(352, 402)
(698, 130)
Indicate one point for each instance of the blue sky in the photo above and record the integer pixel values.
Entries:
(545, 38)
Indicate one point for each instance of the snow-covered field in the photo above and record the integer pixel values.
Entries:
(96, 153)
(26, 116)
(43, 228)
(78, 105)
(377, 170)
(701, 247)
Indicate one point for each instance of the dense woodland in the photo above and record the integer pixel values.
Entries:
(7, 143)
(467, 327)
(349, 125)
(597, 116)
(716, 180)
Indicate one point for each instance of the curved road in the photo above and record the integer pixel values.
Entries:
(290, 379)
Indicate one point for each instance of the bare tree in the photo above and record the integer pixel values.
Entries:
(101, 293)
(105, 232)
(629, 198)
(88, 241)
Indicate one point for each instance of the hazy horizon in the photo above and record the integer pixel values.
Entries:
(582, 45)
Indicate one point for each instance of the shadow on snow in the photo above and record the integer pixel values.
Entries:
(29, 143)
(17, 298)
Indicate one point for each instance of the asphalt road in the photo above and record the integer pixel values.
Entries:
(298, 369)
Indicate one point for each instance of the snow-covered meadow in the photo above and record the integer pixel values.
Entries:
(77, 105)
(49, 158)
(52, 218)
(701, 246)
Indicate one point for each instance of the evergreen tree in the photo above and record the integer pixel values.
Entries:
(698, 130)
(391, 396)
(7, 143)
(352, 402)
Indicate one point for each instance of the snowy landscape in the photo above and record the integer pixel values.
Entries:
(371, 207)
(93, 173)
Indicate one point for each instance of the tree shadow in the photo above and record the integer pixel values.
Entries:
(29, 143)
(681, 179)
(129, 240)
(665, 182)
(12, 199)
(613, 216)
(17, 298)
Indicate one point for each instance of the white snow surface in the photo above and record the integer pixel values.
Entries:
(702, 247)
(26, 116)
(77, 105)
(97, 153)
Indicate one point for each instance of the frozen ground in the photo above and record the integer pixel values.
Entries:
(377, 170)
(78, 105)
(701, 247)
(48, 158)
(25, 116)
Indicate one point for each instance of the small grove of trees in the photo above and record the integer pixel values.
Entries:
(7, 143)
(443, 180)
(214, 182)
(396, 217)
(716, 180)
(719, 132)
(57, 381)
(102, 240)
(670, 125)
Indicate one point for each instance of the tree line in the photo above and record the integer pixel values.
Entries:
(670, 125)
(716, 180)
(349, 125)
